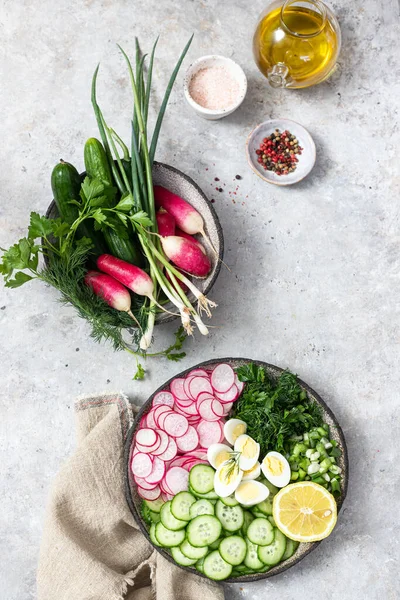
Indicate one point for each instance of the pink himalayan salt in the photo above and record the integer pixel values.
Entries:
(214, 88)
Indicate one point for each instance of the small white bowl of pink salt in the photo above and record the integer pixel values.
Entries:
(215, 86)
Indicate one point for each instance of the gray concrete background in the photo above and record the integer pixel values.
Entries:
(314, 281)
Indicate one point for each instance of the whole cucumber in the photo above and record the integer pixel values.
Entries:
(97, 167)
(66, 185)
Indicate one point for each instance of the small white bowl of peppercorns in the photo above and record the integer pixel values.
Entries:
(280, 151)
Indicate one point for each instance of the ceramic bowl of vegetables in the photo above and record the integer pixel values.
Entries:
(223, 462)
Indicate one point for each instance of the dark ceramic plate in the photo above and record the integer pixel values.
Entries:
(182, 185)
(134, 500)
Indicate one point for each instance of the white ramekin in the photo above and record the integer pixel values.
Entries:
(212, 61)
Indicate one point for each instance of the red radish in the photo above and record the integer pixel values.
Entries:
(222, 378)
(198, 372)
(198, 385)
(186, 255)
(170, 452)
(163, 444)
(111, 290)
(144, 484)
(163, 398)
(157, 472)
(146, 437)
(209, 433)
(177, 388)
(131, 276)
(177, 479)
(175, 425)
(150, 422)
(230, 396)
(141, 465)
(187, 236)
(165, 222)
(186, 217)
(149, 494)
(189, 441)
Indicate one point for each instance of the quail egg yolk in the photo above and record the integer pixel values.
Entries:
(273, 465)
(238, 430)
(221, 457)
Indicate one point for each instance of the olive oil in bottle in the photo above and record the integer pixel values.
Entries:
(299, 41)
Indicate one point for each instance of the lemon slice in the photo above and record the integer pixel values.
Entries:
(305, 511)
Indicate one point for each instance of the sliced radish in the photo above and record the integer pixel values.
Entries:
(240, 384)
(149, 494)
(161, 419)
(159, 410)
(198, 373)
(143, 421)
(230, 396)
(166, 497)
(206, 412)
(141, 465)
(177, 479)
(183, 403)
(222, 378)
(163, 398)
(189, 441)
(217, 408)
(146, 437)
(170, 452)
(148, 449)
(164, 441)
(186, 387)
(227, 406)
(157, 472)
(176, 425)
(198, 385)
(203, 398)
(144, 484)
(209, 433)
(150, 422)
(176, 388)
(187, 410)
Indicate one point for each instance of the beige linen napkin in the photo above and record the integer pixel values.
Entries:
(92, 548)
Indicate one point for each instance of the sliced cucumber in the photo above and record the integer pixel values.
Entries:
(212, 496)
(248, 518)
(201, 507)
(181, 504)
(192, 552)
(168, 519)
(256, 513)
(272, 521)
(251, 559)
(146, 513)
(201, 479)
(181, 559)
(152, 534)
(154, 505)
(154, 516)
(215, 567)
(273, 490)
(168, 538)
(231, 517)
(203, 530)
(215, 545)
(199, 565)
(273, 553)
(230, 501)
(265, 506)
(260, 532)
(233, 549)
(291, 547)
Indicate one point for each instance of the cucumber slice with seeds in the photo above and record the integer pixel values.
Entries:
(215, 545)
(201, 479)
(180, 506)
(152, 534)
(265, 507)
(201, 507)
(260, 532)
(291, 547)
(192, 552)
(168, 519)
(181, 559)
(273, 553)
(251, 559)
(248, 518)
(154, 505)
(203, 530)
(230, 501)
(154, 517)
(215, 567)
(168, 538)
(233, 549)
(231, 517)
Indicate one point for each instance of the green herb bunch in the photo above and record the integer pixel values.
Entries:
(275, 410)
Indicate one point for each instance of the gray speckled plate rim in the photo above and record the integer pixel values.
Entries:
(303, 549)
(216, 262)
